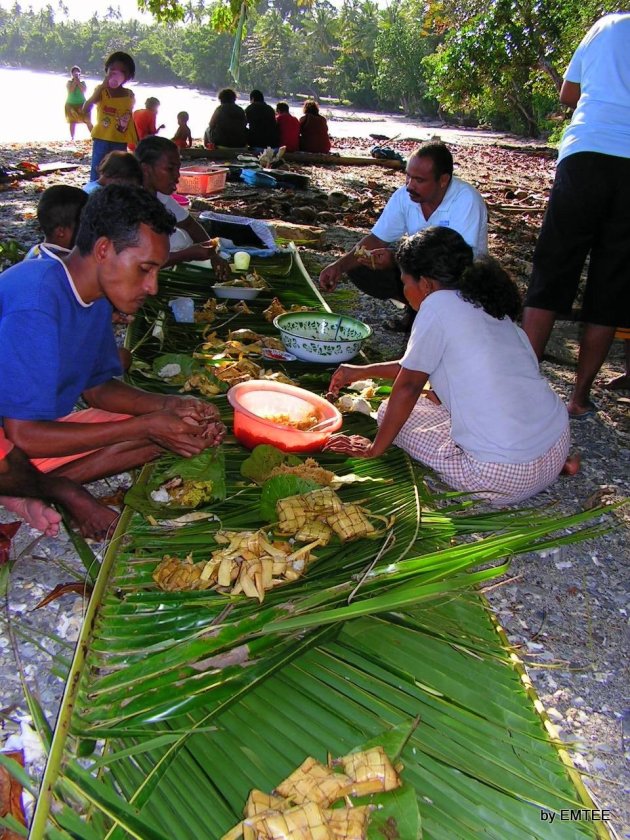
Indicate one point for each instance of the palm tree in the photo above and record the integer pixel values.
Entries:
(322, 30)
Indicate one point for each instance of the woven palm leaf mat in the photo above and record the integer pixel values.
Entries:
(178, 704)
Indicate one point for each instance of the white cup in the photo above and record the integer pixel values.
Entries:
(241, 260)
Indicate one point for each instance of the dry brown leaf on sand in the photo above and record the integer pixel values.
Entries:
(11, 797)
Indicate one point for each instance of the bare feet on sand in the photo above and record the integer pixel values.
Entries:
(37, 513)
(94, 520)
(571, 465)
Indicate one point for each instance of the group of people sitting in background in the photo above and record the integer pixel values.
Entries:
(119, 127)
(258, 126)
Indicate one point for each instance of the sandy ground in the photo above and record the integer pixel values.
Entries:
(566, 612)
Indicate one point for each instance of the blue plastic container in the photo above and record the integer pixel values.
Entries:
(255, 178)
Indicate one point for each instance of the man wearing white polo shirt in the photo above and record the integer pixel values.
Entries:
(430, 196)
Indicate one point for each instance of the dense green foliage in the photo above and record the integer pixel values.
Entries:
(498, 63)
(502, 62)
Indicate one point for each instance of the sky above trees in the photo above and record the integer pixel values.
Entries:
(84, 9)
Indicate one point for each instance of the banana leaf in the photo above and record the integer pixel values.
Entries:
(178, 703)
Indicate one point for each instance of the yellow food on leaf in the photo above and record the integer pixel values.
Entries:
(207, 313)
(292, 514)
(187, 492)
(274, 309)
(371, 770)
(349, 823)
(251, 564)
(201, 383)
(173, 574)
(314, 782)
(242, 308)
(314, 529)
(310, 469)
(304, 822)
(323, 501)
(258, 802)
(350, 523)
(272, 343)
(300, 808)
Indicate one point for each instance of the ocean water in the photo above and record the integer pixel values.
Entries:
(34, 110)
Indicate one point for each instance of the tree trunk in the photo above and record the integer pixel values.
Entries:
(530, 120)
(548, 68)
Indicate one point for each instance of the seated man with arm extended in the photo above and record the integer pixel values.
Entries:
(56, 343)
(430, 196)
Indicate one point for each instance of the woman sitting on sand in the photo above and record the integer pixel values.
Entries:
(313, 129)
(491, 426)
(159, 161)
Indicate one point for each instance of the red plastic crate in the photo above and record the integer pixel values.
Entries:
(202, 181)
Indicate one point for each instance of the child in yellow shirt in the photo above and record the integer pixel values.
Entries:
(114, 127)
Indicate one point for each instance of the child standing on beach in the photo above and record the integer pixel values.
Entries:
(183, 135)
(114, 127)
(75, 100)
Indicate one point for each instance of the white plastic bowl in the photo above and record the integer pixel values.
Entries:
(235, 292)
(322, 336)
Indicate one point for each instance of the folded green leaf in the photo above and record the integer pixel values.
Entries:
(397, 815)
(263, 460)
(209, 465)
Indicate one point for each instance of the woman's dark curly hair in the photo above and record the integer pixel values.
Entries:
(122, 165)
(443, 255)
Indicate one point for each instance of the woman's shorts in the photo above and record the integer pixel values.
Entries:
(5, 445)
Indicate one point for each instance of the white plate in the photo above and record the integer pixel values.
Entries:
(235, 292)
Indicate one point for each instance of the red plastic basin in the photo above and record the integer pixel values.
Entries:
(258, 399)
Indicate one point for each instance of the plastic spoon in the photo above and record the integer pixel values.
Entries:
(323, 424)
